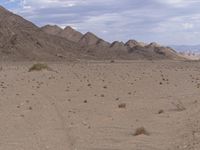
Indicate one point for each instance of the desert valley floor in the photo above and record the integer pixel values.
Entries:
(100, 106)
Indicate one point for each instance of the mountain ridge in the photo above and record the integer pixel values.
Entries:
(24, 40)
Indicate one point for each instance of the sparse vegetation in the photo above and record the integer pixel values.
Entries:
(117, 99)
(140, 131)
(105, 87)
(161, 111)
(102, 95)
(112, 61)
(123, 105)
(39, 67)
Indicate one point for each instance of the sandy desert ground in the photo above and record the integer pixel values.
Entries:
(100, 105)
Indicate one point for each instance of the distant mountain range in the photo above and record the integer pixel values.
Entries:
(186, 48)
(188, 51)
(23, 40)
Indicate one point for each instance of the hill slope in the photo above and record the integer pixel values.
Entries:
(21, 39)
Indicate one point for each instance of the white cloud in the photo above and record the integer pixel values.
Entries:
(60, 3)
(188, 26)
(48, 3)
(178, 3)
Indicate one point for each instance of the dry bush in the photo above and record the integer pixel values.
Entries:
(112, 61)
(39, 67)
(161, 111)
(141, 131)
(123, 105)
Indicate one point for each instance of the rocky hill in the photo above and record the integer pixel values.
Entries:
(22, 40)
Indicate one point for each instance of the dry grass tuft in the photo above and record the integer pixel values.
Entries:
(39, 67)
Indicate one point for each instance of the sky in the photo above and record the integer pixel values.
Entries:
(168, 22)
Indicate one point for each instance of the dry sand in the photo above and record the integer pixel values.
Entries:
(76, 106)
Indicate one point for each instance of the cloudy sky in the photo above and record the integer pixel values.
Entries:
(164, 21)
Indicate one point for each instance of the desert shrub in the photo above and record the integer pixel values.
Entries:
(38, 67)
(160, 111)
(112, 61)
(122, 105)
(140, 131)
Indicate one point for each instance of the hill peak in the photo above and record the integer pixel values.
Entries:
(153, 44)
(90, 34)
(71, 34)
(117, 43)
(52, 29)
(51, 26)
(89, 39)
(69, 28)
(132, 43)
